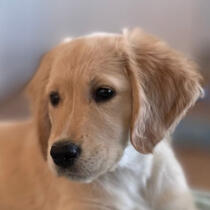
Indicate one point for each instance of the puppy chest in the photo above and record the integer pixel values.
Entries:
(125, 195)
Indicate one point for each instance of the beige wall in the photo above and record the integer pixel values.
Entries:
(33, 27)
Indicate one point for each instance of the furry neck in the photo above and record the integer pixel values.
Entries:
(130, 176)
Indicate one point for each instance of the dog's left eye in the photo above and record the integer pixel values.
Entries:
(103, 94)
(54, 98)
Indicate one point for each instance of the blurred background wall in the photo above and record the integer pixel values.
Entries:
(29, 28)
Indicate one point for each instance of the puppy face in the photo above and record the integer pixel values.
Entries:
(89, 94)
(89, 105)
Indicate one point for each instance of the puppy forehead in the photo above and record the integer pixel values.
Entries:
(88, 55)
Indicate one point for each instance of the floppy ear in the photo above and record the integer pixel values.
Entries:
(39, 101)
(164, 86)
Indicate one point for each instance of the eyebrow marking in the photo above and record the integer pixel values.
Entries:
(116, 81)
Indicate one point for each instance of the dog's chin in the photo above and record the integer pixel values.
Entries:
(79, 173)
(78, 177)
(74, 175)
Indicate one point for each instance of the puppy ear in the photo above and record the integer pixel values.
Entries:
(39, 101)
(164, 86)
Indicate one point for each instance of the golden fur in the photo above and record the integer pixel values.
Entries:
(155, 86)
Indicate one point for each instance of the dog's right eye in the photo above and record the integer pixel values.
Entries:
(54, 98)
(103, 94)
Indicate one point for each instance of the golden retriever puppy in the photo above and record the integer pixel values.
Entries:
(103, 107)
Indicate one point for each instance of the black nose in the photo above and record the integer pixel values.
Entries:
(64, 153)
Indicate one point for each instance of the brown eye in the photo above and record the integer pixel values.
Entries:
(103, 94)
(54, 98)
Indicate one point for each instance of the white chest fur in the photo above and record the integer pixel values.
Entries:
(140, 181)
(125, 183)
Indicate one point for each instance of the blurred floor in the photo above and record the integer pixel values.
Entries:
(196, 164)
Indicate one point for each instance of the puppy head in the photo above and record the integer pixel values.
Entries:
(90, 93)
